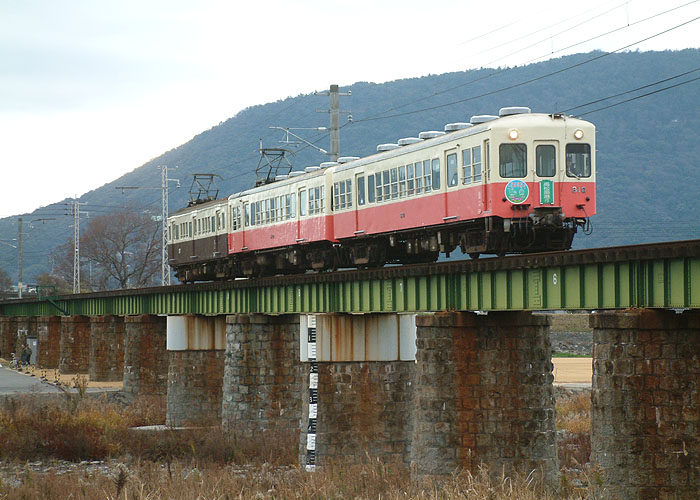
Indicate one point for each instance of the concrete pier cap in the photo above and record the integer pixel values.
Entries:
(361, 337)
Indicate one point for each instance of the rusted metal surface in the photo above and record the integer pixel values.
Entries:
(196, 333)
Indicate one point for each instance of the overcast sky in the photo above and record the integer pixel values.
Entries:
(90, 89)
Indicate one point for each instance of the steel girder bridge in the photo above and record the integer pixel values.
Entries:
(661, 275)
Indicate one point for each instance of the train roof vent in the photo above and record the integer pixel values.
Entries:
(312, 169)
(451, 127)
(347, 159)
(295, 173)
(327, 164)
(281, 177)
(409, 140)
(429, 134)
(477, 119)
(386, 147)
(514, 110)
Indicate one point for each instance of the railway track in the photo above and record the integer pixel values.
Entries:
(664, 250)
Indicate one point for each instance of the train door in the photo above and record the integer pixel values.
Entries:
(452, 186)
(303, 208)
(547, 173)
(481, 170)
(360, 201)
(247, 221)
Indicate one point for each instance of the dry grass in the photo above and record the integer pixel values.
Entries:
(574, 422)
(215, 464)
(372, 481)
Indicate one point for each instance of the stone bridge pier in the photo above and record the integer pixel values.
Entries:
(645, 428)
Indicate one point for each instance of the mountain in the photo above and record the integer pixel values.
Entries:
(647, 148)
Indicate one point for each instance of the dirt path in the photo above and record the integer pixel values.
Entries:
(572, 370)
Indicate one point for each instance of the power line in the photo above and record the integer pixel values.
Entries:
(531, 80)
(633, 90)
(495, 73)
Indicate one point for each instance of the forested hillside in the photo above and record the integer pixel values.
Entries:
(648, 149)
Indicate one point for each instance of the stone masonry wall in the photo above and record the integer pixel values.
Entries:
(484, 394)
(74, 348)
(195, 382)
(26, 327)
(8, 336)
(364, 410)
(48, 330)
(263, 376)
(106, 348)
(645, 427)
(145, 356)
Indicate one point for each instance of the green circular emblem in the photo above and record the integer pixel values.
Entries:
(517, 191)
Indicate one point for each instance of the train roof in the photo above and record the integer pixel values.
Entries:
(477, 127)
(200, 206)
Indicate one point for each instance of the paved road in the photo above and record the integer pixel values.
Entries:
(12, 382)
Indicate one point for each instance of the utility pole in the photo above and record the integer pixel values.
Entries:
(164, 266)
(335, 119)
(19, 259)
(76, 245)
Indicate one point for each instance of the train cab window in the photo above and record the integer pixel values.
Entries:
(360, 191)
(545, 161)
(578, 160)
(371, 189)
(452, 178)
(436, 173)
(513, 160)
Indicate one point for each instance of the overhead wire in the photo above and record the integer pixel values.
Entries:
(531, 80)
(503, 70)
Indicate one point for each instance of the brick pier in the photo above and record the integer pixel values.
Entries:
(645, 426)
(106, 348)
(74, 346)
(145, 356)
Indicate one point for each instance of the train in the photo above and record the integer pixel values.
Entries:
(516, 182)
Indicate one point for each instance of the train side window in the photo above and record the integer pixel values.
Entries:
(436, 173)
(302, 202)
(387, 184)
(410, 182)
(247, 215)
(512, 160)
(360, 191)
(578, 160)
(419, 177)
(476, 163)
(371, 189)
(452, 179)
(427, 183)
(545, 160)
(394, 183)
(378, 178)
(212, 223)
(189, 230)
(467, 166)
(402, 182)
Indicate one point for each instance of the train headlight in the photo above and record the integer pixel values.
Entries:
(578, 134)
(513, 134)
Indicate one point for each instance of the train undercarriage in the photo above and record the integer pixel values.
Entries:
(548, 231)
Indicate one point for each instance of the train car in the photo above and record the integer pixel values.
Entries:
(197, 240)
(514, 183)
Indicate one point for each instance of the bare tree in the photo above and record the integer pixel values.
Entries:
(120, 250)
(5, 280)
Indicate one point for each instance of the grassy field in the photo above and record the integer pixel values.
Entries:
(124, 463)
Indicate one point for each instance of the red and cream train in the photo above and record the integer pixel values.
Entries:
(514, 183)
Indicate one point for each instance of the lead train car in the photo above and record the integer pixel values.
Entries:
(521, 182)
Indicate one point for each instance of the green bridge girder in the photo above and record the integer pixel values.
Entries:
(663, 277)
